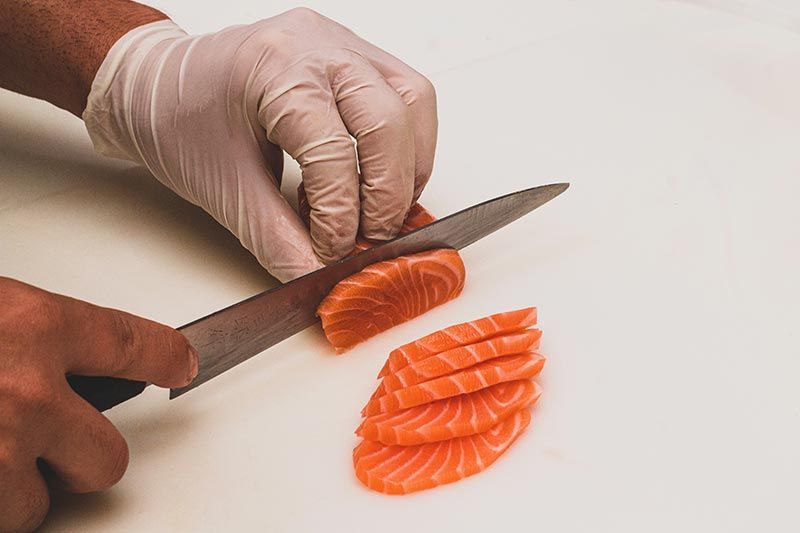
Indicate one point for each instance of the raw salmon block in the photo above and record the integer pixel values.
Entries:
(389, 293)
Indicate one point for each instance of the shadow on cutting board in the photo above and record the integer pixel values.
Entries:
(108, 201)
(145, 434)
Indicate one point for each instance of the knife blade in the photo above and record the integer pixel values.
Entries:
(233, 335)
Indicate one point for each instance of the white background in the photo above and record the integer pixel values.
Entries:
(666, 279)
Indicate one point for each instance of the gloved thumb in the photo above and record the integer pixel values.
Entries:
(251, 206)
(270, 228)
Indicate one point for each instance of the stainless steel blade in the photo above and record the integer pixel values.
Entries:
(230, 336)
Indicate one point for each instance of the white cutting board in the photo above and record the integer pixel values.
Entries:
(666, 278)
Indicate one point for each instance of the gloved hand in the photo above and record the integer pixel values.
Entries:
(208, 115)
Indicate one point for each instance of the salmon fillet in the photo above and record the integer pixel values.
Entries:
(459, 335)
(389, 293)
(404, 469)
(459, 416)
(480, 376)
(462, 357)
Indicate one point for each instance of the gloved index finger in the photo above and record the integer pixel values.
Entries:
(99, 341)
(420, 96)
(306, 123)
(382, 124)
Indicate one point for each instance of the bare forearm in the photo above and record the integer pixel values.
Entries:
(51, 49)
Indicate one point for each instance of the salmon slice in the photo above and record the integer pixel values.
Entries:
(404, 469)
(480, 376)
(459, 416)
(462, 357)
(416, 217)
(459, 335)
(389, 293)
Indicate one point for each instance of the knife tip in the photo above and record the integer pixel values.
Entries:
(554, 189)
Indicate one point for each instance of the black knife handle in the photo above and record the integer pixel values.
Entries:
(104, 393)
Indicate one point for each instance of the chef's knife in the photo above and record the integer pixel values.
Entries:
(232, 335)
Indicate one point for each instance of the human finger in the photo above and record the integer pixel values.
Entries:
(419, 95)
(300, 115)
(377, 117)
(24, 498)
(84, 449)
(99, 341)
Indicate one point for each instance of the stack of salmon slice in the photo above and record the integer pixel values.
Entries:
(449, 404)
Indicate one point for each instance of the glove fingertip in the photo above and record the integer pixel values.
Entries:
(383, 225)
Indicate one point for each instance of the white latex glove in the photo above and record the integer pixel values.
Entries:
(208, 115)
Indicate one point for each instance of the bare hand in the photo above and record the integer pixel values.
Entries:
(43, 337)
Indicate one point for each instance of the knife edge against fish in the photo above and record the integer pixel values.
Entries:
(233, 335)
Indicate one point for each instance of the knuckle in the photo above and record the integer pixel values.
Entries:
(303, 13)
(32, 396)
(46, 312)
(127, 340)
(396, 118)
(10, 289)
(9, 453)
(280, 33)
(398, 112)
(342, 144)
(28, 393)
(423, 89)
(268, 36)
(176, 345)
(28, 311)
(336, 152)
(14, 417)
(173, 348)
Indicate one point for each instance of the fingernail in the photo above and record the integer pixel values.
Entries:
(194, 363)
